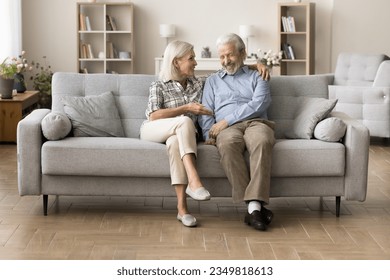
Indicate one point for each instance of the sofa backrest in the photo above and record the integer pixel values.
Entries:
(131, 93)
(285, 92)
(354, 69)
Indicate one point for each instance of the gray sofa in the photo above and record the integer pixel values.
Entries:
(128, 166)
(362, 87)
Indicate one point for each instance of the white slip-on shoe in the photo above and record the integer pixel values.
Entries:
(200, 194)
(187, 219)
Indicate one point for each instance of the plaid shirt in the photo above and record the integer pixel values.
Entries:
(171, 94)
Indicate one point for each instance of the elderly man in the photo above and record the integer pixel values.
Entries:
(239, 99)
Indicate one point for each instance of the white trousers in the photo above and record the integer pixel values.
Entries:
(179, 134)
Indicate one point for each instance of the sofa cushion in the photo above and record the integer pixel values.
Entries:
(94, 115)
(56, 126)
(105, 156)
(301, 157)
(129, 90)
(310, 112)
(129, 157)
(330, 129)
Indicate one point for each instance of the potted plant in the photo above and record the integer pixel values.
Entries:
(42, 82)
(11, 73)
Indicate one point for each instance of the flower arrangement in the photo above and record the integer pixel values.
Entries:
(14, 65)
(42, 79)
(270, 59)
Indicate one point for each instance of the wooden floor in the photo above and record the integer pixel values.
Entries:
(146, 228)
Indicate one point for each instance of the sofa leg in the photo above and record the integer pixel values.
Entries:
(45, 202)
(338, 202)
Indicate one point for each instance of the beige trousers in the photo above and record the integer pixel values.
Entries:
(179, 134)
(257, 137)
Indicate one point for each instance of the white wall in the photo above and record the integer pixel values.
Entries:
(360, 26)
(49, 27)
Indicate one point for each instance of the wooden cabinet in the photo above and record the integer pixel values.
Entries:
(13, 110)
(105, 38)
(296, 30)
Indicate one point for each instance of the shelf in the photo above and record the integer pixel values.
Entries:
(105, 29)
(294, 33)
(118, 32)
(294, 60)
(300, 17)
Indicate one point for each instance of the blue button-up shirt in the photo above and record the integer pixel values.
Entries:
(242, 96)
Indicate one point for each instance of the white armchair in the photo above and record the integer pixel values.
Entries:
(362, 87)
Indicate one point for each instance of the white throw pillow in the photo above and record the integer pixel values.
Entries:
(93, 115)
(311, 111)
(330, 130)
(55, 126)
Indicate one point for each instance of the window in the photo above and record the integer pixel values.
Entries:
(10, 28)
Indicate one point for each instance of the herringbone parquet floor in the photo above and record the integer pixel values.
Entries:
(145, 228)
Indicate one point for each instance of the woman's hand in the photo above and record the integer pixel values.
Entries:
(197, 109)
(194, 108)
(262, 69)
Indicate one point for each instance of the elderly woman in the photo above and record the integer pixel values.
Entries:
(171, 114)
(171, 117)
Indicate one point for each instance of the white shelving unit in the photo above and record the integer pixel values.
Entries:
(301, 38)
(95, 36)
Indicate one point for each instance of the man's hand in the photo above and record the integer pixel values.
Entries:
(210, 141)
(198, 109)
(217, 128)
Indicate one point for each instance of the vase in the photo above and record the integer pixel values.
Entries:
(19, 83)
(6, 88)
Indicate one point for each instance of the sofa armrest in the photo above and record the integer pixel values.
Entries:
(357, 142)
(382, 78)
(29, 143)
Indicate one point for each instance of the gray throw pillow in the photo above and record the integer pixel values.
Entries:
(310, 112)
(55, 126)
(93, 115)
(330, 130)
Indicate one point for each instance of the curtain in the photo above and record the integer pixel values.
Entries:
(10, 28)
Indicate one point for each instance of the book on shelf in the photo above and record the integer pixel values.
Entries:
(85, 23)
(291, 50)
(111, 50)
(110, 23)
(88, 23)
(86, 51)
(288, 24)
(90, 52)
(82, 23)
(288, 51)
(83, 50)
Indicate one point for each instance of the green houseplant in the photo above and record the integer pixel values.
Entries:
(11, 74)
(42, 82)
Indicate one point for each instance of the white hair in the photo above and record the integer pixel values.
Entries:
(174, 50)
(231, 38)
